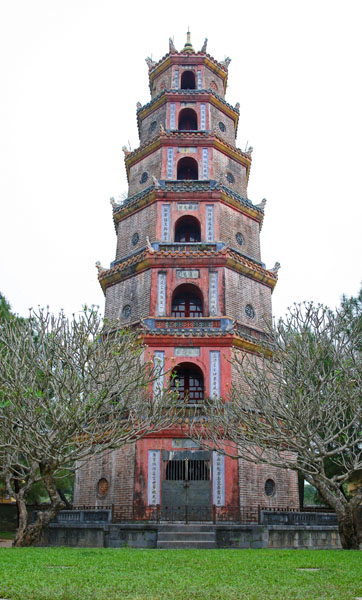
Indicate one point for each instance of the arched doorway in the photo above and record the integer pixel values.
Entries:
(187, 169)
(187, 120)
(189, 383)
(187, 229)
(187, 302)
(188, 81)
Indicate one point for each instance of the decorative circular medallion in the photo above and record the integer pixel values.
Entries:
(144, 177)
(102, 487)
(153, 126)
(126, 311)
(230, 177)
(222, 126)
(135, 238)
(239, 238)
(269, 487)
(249, 311)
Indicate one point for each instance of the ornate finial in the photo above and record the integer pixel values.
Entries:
(250, 150)
(162, 129)
(237, 106)
(113, 202)
(225, 63)
(149, 247)
(221, 178)
(262, 204)
(204, 46)
(275, 269)
(126, 151)
(151, 63)
(156, 183)
(100, 269)
(171, 45)
(188, 46)
(139, 106)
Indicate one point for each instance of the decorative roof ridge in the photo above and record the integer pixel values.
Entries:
(120, 266)
(172, 133)
(250, 264)
(190, 93)
(143, 146)
(199, 53)
(234, 148)
(138, 256)
(197, 185)
(240, 198)
(133, 199)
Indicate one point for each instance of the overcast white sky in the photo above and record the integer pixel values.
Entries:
(71, 72)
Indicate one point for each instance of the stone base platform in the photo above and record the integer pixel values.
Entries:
(179, 535)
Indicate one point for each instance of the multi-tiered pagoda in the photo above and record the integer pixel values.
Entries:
(188, 272)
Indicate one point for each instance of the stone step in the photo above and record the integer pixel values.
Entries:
(175, 544)
(182, 536)
(184, 527)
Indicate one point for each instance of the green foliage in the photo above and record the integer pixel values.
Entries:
(64, 481)
(5, 309)
(135, 574)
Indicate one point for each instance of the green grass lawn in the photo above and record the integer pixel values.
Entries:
(105, 574)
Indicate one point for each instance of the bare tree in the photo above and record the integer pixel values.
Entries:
(70, 389)
(298, 405)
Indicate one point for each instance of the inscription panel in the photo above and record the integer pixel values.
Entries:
(188, 351)
(210, 233)
(213, 294)
(187, 273)
(218, 483)
(187, 206)
(161, 294)
(158, 365)
(154, 477)
(214, 373)
(166, 218)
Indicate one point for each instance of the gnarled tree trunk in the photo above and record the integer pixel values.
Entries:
(29, 534)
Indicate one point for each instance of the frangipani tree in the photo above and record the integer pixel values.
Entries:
(69, 389)
(299, 406)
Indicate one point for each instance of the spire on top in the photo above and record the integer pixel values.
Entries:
(188, 46)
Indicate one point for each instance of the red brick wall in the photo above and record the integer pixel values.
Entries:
(217, 116)
(240, 291)
(223, 164)
(232, 221)
(252, 480)
(117, 467)
(144, 223)
(150, 164)
(159, 116)
(134, 291)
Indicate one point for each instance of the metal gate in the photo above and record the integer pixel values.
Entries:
(186, 486)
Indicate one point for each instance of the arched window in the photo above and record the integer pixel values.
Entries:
(187, 120)
(187, 168)
(189, 383)
(188, 80)
(187, 302)
(187, 229)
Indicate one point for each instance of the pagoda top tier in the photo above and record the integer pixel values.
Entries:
(187, 69)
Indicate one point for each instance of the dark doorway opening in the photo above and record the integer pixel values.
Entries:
(187, 169)
(187, 229)
(188, 81)
(189, 383)
(187, 302)
(187, 120)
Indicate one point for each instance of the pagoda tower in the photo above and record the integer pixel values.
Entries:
(188, 272)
